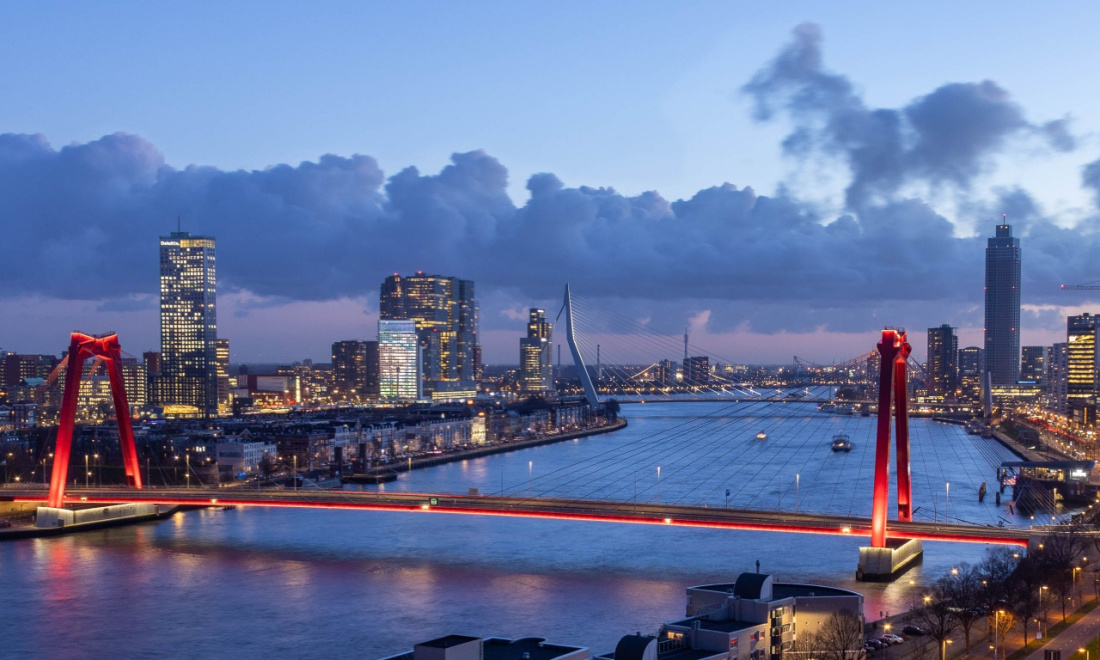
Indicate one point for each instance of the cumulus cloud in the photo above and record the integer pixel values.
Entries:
(82, 222)
(944, 137)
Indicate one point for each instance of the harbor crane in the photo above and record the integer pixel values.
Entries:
(1088, 286)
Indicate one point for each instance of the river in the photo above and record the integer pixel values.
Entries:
(321, 583)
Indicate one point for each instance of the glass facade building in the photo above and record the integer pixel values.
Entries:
(1081, 368)
(1002, 307)
(943, 366)
(399, 360)
(188, 323)
(445, 312)
(536, 365)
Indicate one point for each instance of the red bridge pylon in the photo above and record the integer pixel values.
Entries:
(894, 350)
(81, 348)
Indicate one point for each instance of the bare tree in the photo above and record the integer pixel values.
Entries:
(267, 465)
(963, 588)
(936, 617)
(806, 646)
(842, 637)
(1060, 556)
(1026, 582)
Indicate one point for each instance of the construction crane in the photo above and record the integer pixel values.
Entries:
(1088, 286)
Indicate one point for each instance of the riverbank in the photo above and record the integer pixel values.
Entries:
(388, 473)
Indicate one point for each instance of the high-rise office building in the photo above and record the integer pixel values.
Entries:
(399, 360)
(943, 366)
(1034, 363)
(445, 312)
(1058, 383)
(221, 350)
(697, 370)
(20, 367)
(536, 367)
(151, 359)
(971, 370)
(188, 323)
(355, 370)
(1002, 307)
(1081, 368)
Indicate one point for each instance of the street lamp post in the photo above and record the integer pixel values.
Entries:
(1085, 651)
(87, 473)
(997, 631)
(797, 482)
(530, 471)
(943, 648)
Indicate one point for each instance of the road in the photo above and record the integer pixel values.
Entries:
(618, 512)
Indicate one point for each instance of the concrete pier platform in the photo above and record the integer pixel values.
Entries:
(887, 564)
(99, 516)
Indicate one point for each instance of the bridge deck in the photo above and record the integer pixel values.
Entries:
(620, 512)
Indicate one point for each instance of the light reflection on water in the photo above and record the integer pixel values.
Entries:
(321, 583)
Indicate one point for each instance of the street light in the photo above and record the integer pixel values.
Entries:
(1085, 651)
(943, 648)
(86, 472)
(997, 631)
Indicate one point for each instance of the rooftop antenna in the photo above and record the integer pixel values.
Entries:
(685, 343)
(179, 225)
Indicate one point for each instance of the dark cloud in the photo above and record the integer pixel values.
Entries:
(945, 137)
(82, 222)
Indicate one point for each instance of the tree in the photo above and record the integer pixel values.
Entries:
(841, 638)
(611, 407)
(1025, 584)
(936, 616)
(964, 589)
(1060, 555)
(807, 646)
(267, 465)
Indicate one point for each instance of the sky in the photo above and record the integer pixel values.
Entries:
(785, 180)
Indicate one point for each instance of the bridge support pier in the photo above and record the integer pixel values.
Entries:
(889, 563)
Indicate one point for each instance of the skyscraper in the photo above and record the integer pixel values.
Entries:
(971, 368)
(188, 322)
(1034, 363)
(536, 373)
(1058, 383)
(1081, 367)
(355, 370)
(943, 366)
(398, 360)
(1002, 306)
(222, 350)
(445, 312)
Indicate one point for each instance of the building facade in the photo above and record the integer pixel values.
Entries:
(399, 368)
(696, 370)
(445, 312)
(1002, 306)
(971, 369)
(536, 367)
(1035, 364)
(188, 323)
(225, 403)
(1058, 383)
(355, 370)
(943, 366)
(1081, 368)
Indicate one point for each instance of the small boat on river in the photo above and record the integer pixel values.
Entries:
(762, 436)
(841, 442)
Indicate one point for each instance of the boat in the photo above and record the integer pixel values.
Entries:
(762, 436)
(828, 406)
(841, 442)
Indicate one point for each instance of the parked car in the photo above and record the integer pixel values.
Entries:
(914, 631)
(4, 524)
(877, 643)
(891, 638)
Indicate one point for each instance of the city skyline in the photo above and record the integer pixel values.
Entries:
(731, 260)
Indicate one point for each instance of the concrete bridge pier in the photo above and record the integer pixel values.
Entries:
(889, 563)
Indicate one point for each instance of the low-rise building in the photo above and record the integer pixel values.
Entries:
(238, 457)
(462, 647)
(754, 618)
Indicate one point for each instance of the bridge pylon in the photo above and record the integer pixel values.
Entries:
(893, 377)
(107, 349)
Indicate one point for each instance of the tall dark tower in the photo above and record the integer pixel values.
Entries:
(1002, 306)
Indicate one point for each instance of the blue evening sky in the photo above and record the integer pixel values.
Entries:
(635, 95)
